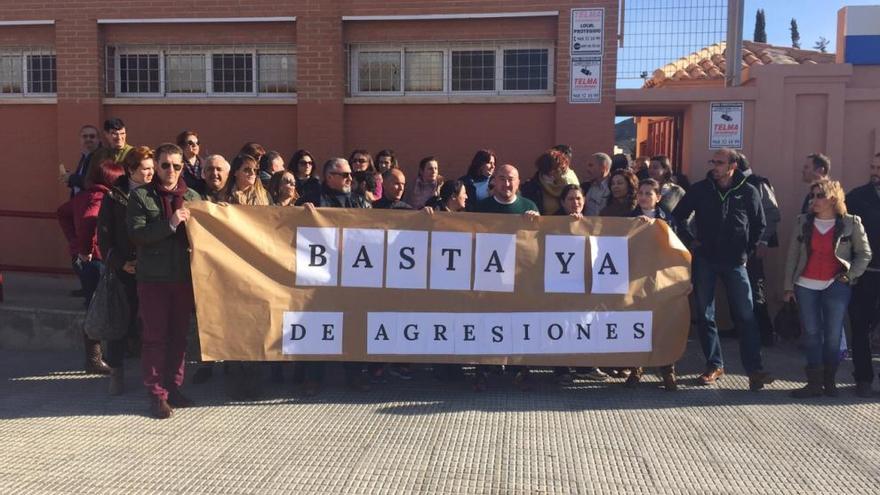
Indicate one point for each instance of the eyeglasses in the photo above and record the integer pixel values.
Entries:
(344, 175)
(818, 195)
(177, 166)
(192, 143)
(717, 162)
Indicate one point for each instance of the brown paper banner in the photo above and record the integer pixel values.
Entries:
(244, 273)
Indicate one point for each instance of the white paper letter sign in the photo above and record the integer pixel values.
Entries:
(363, 257)
(451, 260)
(311, 333)
(495, 262)
(407, 260)
(317, 255)
(610, 259)
(564, 263)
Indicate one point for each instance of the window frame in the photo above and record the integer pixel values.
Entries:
(23, 55)
(207, 54)
(447, 49)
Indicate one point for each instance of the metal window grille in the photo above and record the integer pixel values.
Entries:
(525, 69)
(473, 70)
(171, 70)
(27, 72)
(657, 32)
(424, 71)
(479, 67)
(379, 71)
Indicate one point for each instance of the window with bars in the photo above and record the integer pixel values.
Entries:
(488, 68)
(195, 71)
(25, 73)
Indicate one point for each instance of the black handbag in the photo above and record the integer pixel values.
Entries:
(109, 314)
(788, 321)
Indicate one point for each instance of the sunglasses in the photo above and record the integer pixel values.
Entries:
(192, 143)
(818, 195)
(177, 166)
(360, 160)
(304, 162)
(344, 175)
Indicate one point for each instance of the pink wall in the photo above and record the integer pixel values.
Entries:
(790, 111)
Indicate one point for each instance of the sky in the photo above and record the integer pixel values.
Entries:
(814, 18)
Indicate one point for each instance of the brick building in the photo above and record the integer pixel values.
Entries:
(443, 78)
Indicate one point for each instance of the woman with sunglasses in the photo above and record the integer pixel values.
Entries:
(282, 188)
(302, 165)
(828, 251)
(243, 186)
(192, 161)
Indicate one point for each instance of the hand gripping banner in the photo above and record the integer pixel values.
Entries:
(275, 284)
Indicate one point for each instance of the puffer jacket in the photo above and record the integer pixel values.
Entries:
(851, 248)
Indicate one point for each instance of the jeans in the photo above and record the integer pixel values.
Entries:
(864, 314)
(822, 315)
(739, 298)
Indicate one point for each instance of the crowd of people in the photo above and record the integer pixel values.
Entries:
(128, 214)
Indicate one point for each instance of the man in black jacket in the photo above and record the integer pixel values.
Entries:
(864, 307)
(729, 222)
(335, 192)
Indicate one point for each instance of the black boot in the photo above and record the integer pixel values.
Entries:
(813, 388)
(829, 381)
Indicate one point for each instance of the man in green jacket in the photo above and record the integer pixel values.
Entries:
(156, 219)
(117, 145)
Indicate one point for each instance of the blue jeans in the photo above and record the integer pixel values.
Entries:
(739, 299)
(822, 315)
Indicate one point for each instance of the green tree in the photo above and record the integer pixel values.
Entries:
(760, 25)
(821, 45)
(795, 35)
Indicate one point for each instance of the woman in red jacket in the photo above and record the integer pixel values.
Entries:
(79, 221)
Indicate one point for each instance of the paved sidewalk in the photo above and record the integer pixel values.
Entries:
(60, 433)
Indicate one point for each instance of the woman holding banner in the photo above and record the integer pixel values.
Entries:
(828, 251)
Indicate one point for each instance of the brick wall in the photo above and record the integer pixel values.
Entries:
(320, 120)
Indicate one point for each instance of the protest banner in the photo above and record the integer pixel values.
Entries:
(404, 286)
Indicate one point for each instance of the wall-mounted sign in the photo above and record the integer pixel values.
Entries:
(586, 80)
(726, 119)
(587, 31)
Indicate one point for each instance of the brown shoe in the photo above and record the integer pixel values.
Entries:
(117, 381)
(669, 381)
(635, 376)
(710, 376)
(178, 400)
(758, 379)
(94, 364)
(160, 409)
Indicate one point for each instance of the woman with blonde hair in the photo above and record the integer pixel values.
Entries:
(244, 186)
(828, 252)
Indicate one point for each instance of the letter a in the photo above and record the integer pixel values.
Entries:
(381, 333)
(362, 257)
(607, 263)
(494, 260)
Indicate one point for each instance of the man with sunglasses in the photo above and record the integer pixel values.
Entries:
(335, 192)
(156, 218)
(89, 142)
(729, 223)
